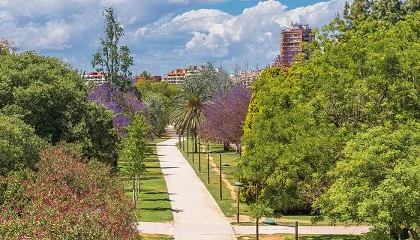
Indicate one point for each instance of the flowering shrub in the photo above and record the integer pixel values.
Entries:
(64, 199)
(123, 105)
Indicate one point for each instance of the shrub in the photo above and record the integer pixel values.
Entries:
(66, 199)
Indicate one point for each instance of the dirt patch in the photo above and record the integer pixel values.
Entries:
(216, 170)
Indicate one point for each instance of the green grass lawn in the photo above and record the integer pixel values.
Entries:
(153, 204)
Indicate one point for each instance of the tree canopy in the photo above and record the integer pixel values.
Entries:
(113, 58)
(362, 79)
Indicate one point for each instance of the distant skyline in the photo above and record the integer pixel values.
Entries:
(162, 34)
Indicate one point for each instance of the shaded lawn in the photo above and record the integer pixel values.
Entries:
(153, 204)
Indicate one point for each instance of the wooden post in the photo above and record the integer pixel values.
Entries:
(296, 230)
(208, 168)
(220, 177)
(199, 158)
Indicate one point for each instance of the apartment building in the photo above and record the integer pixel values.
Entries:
(177, 76)
(291, 40)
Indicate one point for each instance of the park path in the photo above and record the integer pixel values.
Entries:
(196, 213)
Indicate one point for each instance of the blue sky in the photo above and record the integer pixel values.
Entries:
(162, 34)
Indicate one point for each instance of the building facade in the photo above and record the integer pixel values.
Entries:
(177, 76)
(291, 40)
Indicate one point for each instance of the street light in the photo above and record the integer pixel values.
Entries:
(220, 173)
(199, 156)
(239, 185)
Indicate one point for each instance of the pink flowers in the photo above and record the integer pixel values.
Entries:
(68, 199)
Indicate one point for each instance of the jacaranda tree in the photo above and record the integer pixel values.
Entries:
(224, 116)
(123, 105)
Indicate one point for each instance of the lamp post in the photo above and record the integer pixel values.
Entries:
(208, 167)
(199, 156)
(239, 185)
(220, 173)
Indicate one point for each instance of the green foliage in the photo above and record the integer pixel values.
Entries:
(64, 199)
(298, 123)
(97, 135)
(48, 95)
(134, 147)
(378, 179)
(19, 146)
(115, 60)
(157, 113)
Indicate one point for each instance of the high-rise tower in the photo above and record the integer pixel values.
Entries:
(291, 43)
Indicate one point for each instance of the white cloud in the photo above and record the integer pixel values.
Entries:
(159, 39)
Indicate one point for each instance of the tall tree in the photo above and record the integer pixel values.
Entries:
(188, 108)
(112, 58)
(224, 116)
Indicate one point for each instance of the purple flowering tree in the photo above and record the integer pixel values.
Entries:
(123, 105)
(224, 116)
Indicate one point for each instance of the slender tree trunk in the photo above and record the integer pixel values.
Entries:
(134, 191)
(195, 142)
(414, 234)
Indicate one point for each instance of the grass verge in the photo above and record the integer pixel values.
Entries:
(153, 204)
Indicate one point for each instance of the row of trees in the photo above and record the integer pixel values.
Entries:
(338, 135)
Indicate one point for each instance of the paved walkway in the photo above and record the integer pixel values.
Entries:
(196, 213)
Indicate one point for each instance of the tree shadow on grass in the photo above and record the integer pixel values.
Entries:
(153, 192)
(150, 178)
(156, 200)
(157, 209)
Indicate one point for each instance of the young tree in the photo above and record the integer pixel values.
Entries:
(134, 152)
(112, 58)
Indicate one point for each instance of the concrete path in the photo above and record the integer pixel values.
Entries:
(196, 213)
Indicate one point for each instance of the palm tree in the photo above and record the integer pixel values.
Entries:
(187, 111)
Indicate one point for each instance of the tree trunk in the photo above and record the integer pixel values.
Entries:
(414, 234)
(134, 191)
(195, 142)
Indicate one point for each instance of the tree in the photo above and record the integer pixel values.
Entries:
(19, 146)
(51, 97)
(298, 123)
(157, 113)
(134, 152)
(124, 105)
(411, 6)
(188, 108)
(224, 116)
(388, 10)
(113, 58)
(377, 182)
(7, 47)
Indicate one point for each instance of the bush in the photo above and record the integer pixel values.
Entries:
(65, 199)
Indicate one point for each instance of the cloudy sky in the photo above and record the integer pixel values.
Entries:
(162, 34)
